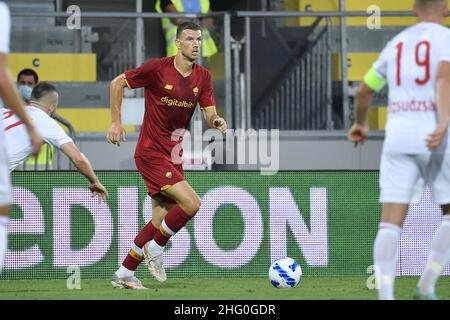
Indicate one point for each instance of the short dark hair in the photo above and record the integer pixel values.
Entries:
(28, 72)
(41, 90)
(427, 4)
(187, 26)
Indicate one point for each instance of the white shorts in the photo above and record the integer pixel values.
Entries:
(5, 184)
(403, 177)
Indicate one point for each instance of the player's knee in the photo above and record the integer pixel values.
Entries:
(197, 204)
(192, 205)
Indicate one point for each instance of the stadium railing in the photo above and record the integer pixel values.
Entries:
(238, 96)
(236, 69)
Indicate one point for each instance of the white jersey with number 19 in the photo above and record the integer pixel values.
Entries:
(409, 63)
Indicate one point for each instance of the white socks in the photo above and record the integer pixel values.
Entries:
(438, 257)
(155, 249)
(386, 257)
(3, 239)
(123, 272)
(385, 254)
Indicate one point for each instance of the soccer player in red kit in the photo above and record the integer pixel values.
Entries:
(173, 87)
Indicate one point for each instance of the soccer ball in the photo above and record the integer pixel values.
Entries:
(285, 273)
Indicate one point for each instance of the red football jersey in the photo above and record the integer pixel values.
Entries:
(170, 101)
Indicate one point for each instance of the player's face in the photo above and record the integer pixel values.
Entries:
(27, 81)
(189, 44)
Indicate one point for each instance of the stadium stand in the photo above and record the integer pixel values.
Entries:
(81, 64)
(364, 44)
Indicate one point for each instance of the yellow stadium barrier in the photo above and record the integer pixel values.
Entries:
(56, 67)
(358, 64)
(360, 5)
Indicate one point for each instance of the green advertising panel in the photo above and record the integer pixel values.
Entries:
(327, 221)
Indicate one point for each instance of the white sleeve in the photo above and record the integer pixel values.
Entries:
(5, 26)
(380, 65)
(445, 48)
(50, 131)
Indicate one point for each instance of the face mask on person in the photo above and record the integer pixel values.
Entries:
(26, 92)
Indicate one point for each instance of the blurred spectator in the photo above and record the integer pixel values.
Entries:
(27, 79)
(170, 25)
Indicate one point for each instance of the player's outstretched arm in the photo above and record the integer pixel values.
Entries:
(435, 139)
(84, 166)
(360, 130)
(10, 96)
(116, 132)
(213, 120)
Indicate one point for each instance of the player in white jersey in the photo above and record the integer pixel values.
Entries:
(9, 94)
(43, 103)
(416, 66)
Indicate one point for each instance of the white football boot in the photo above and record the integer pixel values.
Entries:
(127, 283)
(155, 263)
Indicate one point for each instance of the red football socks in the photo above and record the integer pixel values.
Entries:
(175, 219)
(133, 258)
(146, 234)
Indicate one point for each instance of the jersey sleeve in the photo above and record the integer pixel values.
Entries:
(141, 76)
(376, 77)
(5, 26)
(445, 48)
(207, 99)
(50, 131)
(380, 65)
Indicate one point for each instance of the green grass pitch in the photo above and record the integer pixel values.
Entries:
(317, 288)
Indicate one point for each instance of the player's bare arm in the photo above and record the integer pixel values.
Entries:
(84, 166)
(360, 130)
(11, 97)
(116, 132)
(213, 120)
(435, 139)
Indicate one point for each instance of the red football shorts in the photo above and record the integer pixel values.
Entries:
(159, 174)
